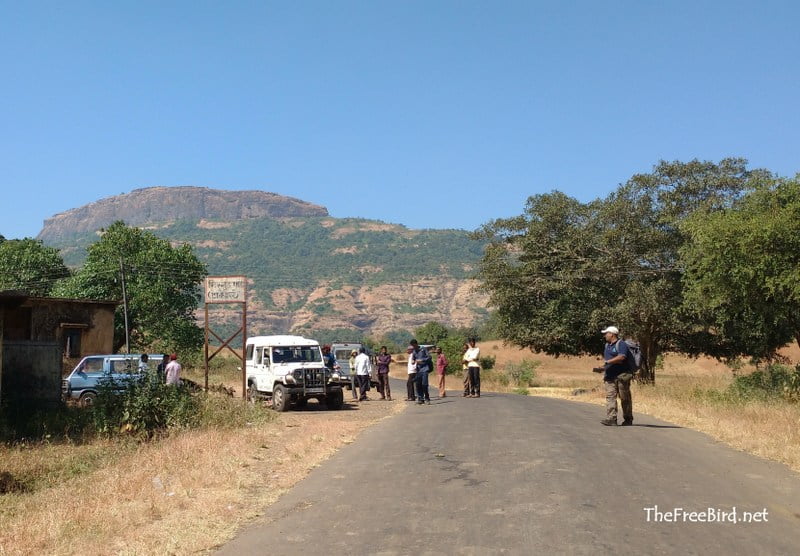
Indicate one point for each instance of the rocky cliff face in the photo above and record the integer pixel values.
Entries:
(152, 205)
(373, 309)
(335, 299)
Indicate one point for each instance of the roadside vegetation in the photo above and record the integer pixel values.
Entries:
(136, 480)
(699, 258)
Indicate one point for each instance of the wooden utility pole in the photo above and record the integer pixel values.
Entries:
(124, 305)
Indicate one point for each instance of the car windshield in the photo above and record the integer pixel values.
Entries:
(296, 354)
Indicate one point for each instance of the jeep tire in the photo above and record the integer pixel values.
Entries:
(280, 398)
(335, 400)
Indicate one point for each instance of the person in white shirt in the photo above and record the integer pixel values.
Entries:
(412, 374)
(471, 358)
(363, 368)
(173, 370)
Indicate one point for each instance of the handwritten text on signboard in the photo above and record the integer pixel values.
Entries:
(225, 289)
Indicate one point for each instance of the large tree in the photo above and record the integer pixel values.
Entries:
(431, 333)
(161, 282)
(743, 271)
(29, 266)
(564, 269)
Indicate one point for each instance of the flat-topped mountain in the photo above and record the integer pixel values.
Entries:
(307, 271)
(152, 206)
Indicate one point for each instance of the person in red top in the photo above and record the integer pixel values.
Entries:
(441, 368)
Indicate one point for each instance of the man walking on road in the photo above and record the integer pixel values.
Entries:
(616, 378)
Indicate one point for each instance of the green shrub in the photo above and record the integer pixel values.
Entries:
(774, 382)
(523, 374)
(487, 362)
(495, 376)
(145, 407)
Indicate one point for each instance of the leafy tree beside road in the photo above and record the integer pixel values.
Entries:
(161, 281)
(29, 266)
(564, 269)
(743, 271)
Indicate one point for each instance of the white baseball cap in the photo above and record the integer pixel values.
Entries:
(613, 329)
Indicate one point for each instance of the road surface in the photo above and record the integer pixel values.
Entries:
(510, 474)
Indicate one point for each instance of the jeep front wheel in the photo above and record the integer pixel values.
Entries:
(335, 400)
(280, 399)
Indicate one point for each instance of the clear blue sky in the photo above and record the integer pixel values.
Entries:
(440, 114)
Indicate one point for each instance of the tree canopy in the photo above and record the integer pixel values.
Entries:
(29, 266)
(162, 286)
(743, 271)
(563, 269)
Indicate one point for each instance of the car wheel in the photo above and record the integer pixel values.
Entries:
(280, 399)
(335, 400)
(87, 399)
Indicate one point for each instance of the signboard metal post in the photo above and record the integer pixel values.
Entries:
(227, 289)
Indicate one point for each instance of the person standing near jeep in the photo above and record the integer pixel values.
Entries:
(384, 360)
(616, 378)
(362, 368)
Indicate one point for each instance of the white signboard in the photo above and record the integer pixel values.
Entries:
(225, 289)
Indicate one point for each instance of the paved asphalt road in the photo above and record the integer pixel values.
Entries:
(510, 474)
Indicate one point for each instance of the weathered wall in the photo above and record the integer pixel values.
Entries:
(32, 373)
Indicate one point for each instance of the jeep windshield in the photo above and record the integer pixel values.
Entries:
(296, 354)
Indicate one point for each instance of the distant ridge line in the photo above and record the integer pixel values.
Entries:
(152, 206)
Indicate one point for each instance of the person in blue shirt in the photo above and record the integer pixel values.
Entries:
(616, 378)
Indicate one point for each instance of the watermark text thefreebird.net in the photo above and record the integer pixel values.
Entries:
(709, 515)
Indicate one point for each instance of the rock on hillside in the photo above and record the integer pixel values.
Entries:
(375, 309)
(152, 205)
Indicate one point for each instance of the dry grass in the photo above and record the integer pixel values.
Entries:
(191, 491)
(768, 430)
(186, 493)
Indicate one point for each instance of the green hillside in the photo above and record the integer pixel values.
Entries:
(298, 253)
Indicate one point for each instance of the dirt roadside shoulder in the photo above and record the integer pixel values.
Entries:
(188, 493)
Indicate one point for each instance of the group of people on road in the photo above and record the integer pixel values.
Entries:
(420, 364)
(616, 371)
